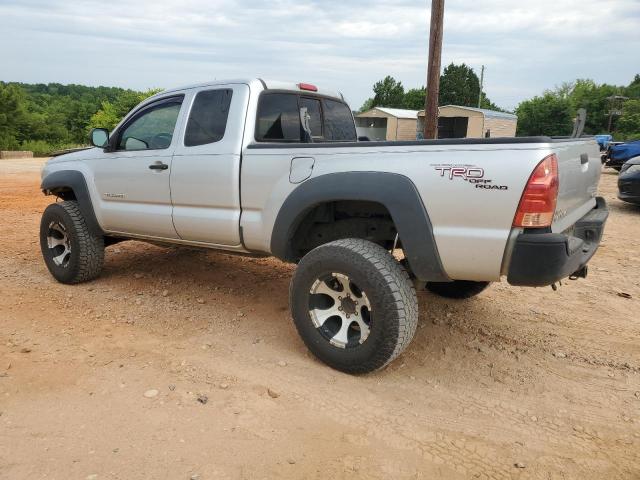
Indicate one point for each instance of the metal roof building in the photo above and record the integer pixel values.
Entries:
(381, 123)
(455, 121)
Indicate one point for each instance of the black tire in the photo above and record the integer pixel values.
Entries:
(64, 222)
(393, 314)
(457, 289)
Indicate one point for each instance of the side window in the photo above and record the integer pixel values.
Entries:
(152, 129)
(278, 118)
(208, 118)
(338, 122)
(314, 111)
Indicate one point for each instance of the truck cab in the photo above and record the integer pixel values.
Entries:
(171, 168)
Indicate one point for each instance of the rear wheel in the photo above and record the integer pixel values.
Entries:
(457, 289)
(353, 305)
(72, 253)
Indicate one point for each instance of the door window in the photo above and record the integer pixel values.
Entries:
(208, 118)
(153, 128)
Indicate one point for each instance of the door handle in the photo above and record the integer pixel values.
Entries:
(584, 158)
(158, 166)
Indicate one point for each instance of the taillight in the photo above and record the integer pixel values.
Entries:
(538, 202)
(308, 87)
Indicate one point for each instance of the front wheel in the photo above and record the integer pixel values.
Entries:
(72, 253)
(353, 305)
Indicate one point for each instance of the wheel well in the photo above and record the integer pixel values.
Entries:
(65, 193)
(335, 220)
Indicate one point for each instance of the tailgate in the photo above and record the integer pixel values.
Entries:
(579, 172)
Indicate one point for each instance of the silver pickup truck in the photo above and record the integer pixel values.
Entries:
(275, 168)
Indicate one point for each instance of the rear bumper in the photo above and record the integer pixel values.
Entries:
(540, 259)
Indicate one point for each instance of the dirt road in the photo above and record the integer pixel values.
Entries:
(516, 383)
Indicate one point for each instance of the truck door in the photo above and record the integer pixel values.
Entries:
(205, 174)
(132, 178)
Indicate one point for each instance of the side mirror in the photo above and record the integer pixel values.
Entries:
(99, 137)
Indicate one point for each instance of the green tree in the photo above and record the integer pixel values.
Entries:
(47, 117)
(594, 98)
(633, 89)
(13, 117)
(459, 85)
(367, 105)
(414, 98)
(628, 126)
(111, 112)
(549, 114)
(388, 92)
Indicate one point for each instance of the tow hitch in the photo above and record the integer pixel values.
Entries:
(582, 273)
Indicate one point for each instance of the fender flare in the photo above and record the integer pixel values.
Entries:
(396, 192)
(75, 181)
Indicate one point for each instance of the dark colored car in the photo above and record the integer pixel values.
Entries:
(618, 153)
(629, 181)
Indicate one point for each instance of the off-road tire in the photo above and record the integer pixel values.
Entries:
(86, 249)
(458, 289)
(394, 305)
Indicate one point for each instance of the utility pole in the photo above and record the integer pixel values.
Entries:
(481, 82)
(615, 108)
(433, 70)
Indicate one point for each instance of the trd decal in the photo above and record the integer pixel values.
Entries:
(469, 173)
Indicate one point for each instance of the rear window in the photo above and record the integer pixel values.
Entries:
(278, 118)
(208, 118)
(338, 122)
(315, 113)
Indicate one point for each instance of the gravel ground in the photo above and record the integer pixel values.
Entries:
(184, 364)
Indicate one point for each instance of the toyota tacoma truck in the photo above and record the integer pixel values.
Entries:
(273, 168)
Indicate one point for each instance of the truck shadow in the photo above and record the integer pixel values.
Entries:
(214, 288)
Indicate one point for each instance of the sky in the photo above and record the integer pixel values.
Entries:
(526, 46)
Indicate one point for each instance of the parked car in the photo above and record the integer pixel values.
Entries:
(619, 152)
(272, 168)
(629, 181)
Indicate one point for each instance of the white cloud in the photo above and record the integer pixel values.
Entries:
(526, 46)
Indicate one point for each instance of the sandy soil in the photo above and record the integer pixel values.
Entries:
(516, 383)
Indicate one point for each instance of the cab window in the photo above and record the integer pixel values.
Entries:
(208, 118)
(278, 118)
(152, 128)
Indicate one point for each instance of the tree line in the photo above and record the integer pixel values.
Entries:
(459, 85)
(551, 113)
(48, 117)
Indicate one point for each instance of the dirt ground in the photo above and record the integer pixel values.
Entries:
(516, 383)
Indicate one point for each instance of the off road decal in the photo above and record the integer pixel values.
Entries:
(468, 173)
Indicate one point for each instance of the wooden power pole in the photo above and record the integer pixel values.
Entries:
(433, 70)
